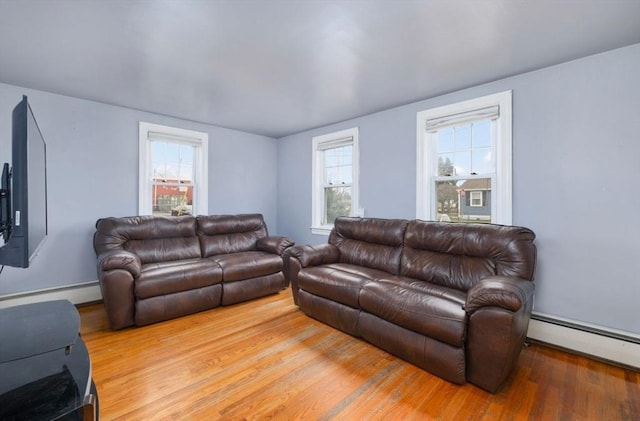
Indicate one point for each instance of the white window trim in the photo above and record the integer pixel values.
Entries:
(475, 193)
(501, 204)
(201, 170)
(319, 144)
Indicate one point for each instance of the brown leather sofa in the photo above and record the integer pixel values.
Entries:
(454, 299)
(157, 268)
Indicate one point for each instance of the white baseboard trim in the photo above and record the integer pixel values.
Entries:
(76, 293)
(603, 347)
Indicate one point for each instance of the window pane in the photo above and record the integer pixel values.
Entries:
(171, 199)
(464, 200)
(158, 160)
(445, 140)
(462, 137)
(482, 161)
(185, 163)
(447, 200)
(172, 161)
(338, 165)
(172, 158)
(337, 203)
(481, 134)
(462, 162)
(465, 149)
(445, 165)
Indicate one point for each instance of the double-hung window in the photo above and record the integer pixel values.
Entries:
(173, 171)
(464, 161)
(335, 178)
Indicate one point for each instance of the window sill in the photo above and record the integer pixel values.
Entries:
(321, 230)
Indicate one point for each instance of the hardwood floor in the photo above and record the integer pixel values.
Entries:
(265, 359)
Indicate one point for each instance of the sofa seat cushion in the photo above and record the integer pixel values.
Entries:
(452, 294)
(334, 284)
(247, 264)
(176, 276)
(416, 309)
(365, 272)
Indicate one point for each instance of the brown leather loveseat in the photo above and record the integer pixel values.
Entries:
(454, 299)
(157, 268)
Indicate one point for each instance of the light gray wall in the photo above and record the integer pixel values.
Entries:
(576, 169)
(92, 169)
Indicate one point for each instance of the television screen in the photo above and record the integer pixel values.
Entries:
(24, 224)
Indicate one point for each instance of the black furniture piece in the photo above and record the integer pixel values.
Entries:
(45, 369)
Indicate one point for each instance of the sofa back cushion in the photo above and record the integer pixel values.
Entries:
(371, 242)
(460, 255)
(153, 238)
(223, 234)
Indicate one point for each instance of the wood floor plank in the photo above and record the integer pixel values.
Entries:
(265, 359)
(388, 396)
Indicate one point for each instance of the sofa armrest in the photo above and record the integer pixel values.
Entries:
(510, 293)
(120, 259)
(275, 245)
(315, 255)
(117, 270)
(298, 257)
(498, 310)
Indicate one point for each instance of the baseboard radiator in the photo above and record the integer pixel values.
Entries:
(82, 293)
(622, 348)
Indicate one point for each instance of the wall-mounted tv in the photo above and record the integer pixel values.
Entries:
(23, 191)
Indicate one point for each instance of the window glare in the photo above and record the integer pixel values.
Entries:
(337, 165)
(172, 162)
(462, 162)
(462, 137)
(481, 134)
(445, 140)
(482, 161)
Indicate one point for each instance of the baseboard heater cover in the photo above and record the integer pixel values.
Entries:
(81, 293)
(618, 347)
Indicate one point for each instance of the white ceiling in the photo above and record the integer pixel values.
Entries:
(277, 67)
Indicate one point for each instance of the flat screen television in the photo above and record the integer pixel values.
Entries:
(23, 191)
